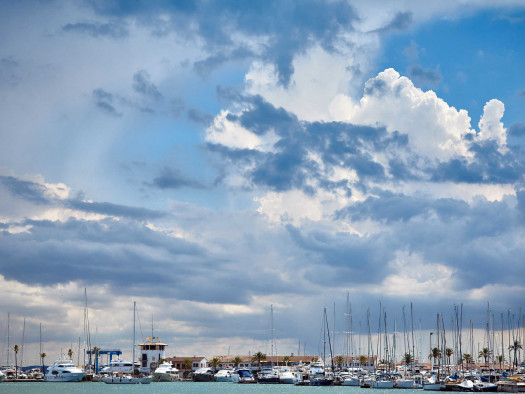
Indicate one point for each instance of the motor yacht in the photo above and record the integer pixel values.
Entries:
(165, 372)
(224, 375)
(63, 371)
(203, 375)
(126, 379)
(243, 376)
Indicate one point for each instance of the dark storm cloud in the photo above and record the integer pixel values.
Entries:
(96, 29)
(290, 165)
(170, 178)
(489, 165)
(424, 76)
(142, 84)
(104, 101)
(38, 193)
(288, 31)
(26, 190)
(106, 208)
(388, 207)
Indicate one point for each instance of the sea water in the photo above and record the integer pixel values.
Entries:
(172, 388)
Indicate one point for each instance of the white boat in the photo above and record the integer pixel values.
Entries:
(382, 382)
(224, 375)
(287, 377)
(166, 373)
(2, 376)
(432, 384)
(63, 371)
(350, 380)
(243, 376)
(402, 383)
(126, 379)
(119, 366)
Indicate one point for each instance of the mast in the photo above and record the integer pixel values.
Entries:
(413, 342)
(369, 339)
(23, 340)
(133, 348)
(329, 342)
(8, 345)
(271, 322)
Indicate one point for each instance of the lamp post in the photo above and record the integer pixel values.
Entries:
(430, 344)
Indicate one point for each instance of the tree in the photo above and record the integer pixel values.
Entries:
(339, 361)
(435, 355)
(408, 358)
(258, 357)
(214, 362)
(187, 363)
(516, 345)
(468, 358)
(237, 360)
(500, 360)
(95, 350)
(484, 354)
(363, 360)
(16, 361)
(449, 352)
(70, 354)
(43, 356)
(286, 360)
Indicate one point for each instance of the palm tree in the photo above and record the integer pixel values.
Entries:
(95, 350)
(408, 358)
(286, 360)
(468, 358)
(362, 360)
(484, 353)
(16, 361)
(449, 352)
(214, 362)
(70, 354)
(43, 356)
(516, 345)
(436, 354)
(500, 360)
(258, 357)
(339, 361)
(237, 360)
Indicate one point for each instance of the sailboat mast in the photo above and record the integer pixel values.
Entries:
(133, 348)
(271, 322)
(23, 340)
(8, 345)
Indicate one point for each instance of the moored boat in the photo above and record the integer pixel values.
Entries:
(243, 376)
(203, 375)
(165, 372)
(63, 371)
(126, 379)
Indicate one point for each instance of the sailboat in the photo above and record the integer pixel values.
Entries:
(129, 379)
(323, 378)
(269, 376)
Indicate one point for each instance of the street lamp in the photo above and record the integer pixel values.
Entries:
(430, 344)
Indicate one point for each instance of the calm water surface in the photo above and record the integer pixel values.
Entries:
(176, 387)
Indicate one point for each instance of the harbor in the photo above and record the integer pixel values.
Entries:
(387, 359)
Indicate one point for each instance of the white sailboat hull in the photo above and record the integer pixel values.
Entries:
(126, 380)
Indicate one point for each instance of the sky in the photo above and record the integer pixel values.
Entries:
(208, 159)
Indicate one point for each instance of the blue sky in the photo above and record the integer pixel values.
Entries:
(208, 159)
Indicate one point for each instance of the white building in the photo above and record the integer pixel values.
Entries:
(151, 352)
